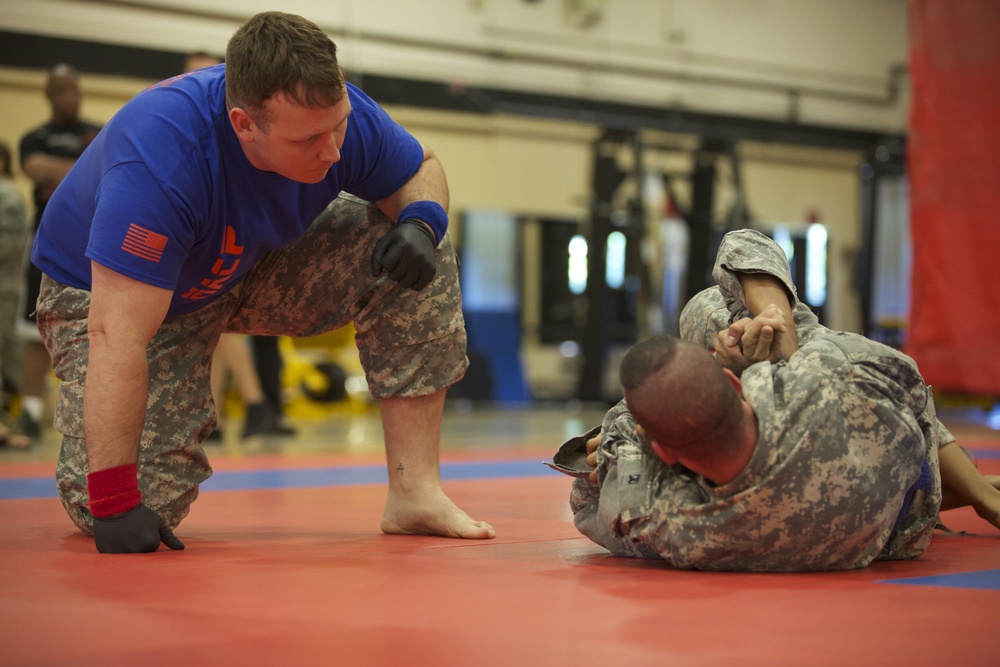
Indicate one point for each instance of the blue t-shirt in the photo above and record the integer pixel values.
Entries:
(165, 194)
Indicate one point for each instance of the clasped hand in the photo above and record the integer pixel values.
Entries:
(748, 341)
(407, 253)
(594, 443)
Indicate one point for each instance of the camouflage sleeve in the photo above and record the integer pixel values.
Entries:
(914, 530)
(585, 500)
(602, 511)
(584, 496)
(944, 436)
(704, 316)
(714, 309)
(749, 251)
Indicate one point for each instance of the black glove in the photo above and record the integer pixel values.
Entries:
(407, 253)
(139, 530)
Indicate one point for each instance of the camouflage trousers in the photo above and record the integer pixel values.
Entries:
(410, 343)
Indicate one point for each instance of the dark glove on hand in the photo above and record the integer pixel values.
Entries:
(139, 530)
(407, 253)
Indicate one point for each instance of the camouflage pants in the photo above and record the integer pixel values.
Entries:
(13, 254)
(411, 344)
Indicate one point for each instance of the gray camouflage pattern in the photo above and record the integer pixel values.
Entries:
(845, 426)
(13, 235)
(715, 308)
(13, 248)
(411, 344)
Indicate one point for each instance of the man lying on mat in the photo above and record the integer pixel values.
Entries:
(825, 459)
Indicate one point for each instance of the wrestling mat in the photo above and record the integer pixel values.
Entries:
(285, 566)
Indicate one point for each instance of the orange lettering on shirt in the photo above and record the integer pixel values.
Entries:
(210, 286)
(230, 247)
(217, 269)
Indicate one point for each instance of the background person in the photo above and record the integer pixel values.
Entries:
(234, 361)
(13, 237)
(47, 154)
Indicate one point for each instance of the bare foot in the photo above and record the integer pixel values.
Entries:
(431, 512)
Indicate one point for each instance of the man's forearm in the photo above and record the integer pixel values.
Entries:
(428, 184)
(961, 482)
(761, 290)
(47, 171)
(114, 404)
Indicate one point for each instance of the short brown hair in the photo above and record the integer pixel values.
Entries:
(275, 53)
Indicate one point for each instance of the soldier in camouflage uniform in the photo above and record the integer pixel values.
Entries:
(204, 208)
(13, 239)
(752, 255)
(842, 467)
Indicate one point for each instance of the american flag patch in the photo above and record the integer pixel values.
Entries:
(144, 243)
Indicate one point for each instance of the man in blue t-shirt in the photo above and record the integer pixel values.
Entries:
(203, 207)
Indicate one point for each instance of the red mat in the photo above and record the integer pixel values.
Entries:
(302, 577)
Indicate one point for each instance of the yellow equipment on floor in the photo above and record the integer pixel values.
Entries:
(323, 375)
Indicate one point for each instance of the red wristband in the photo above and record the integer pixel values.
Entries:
(113, 491)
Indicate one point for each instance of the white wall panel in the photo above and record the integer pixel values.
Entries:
(722, 56)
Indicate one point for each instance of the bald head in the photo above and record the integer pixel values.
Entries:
(62, 88)
(681, 397)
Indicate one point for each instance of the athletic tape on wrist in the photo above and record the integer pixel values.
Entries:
(113, 491)
(430, 212)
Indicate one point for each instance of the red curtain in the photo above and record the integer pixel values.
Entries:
(954, 170)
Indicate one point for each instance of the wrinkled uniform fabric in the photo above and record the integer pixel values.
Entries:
(411, 344)
(846, 428)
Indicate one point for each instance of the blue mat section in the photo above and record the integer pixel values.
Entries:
(983, 580)
(250, 480)
(986, 453)
(28, 487)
